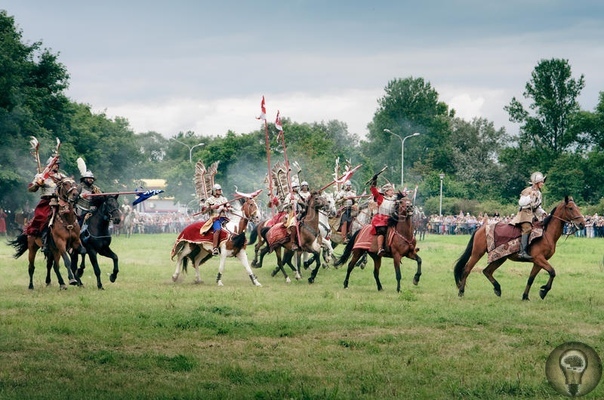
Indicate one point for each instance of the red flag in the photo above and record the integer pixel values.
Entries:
(347, 175)
(278, 122)
(262, 110)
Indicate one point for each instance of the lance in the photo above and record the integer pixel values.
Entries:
(87, 195)
(343, 179)
(238, 196)
(376, 175)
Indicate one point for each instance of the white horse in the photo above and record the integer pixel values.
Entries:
(128, 219)
(190, 246)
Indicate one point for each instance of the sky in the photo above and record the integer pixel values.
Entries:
(203, 66)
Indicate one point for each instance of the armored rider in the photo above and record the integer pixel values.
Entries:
(217, 206)
(346, 199)
(83, 203)
(529, 210)
(38, 226)
(386, 201)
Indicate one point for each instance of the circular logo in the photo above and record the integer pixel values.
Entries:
(573, 369)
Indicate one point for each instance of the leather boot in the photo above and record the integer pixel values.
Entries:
(344, 232)
(380, 245)
(523, 254)
(216, 239)
(293, 238)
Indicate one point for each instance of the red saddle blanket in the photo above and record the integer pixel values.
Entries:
(277, 235)
(192, 234)
(503, 239)
(367, 239)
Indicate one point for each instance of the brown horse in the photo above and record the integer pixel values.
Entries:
(190, 245)
(399, 243)
(60, 237)
(309, 240)
(541, 249)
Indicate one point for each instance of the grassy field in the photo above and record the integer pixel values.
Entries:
(145, 337)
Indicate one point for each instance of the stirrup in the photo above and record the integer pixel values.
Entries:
(215, 251)
(524, 255)
(381, 251)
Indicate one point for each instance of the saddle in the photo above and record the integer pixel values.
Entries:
(503, 239)
(192, 234)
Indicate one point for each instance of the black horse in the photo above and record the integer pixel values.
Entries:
(96, 237)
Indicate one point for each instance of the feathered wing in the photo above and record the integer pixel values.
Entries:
(204, 179)
(81, 165)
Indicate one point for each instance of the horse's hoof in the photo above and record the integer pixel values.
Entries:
(542, 293)
(112, 278)
(287, 280)
(219, 283)
(73, 282)
(174, 278)
(101, 288)
(311, 281)
(256, 283)
(62, 287)
(274, 273)
(460, 294)
(525, 298)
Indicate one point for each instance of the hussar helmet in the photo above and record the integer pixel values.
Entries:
(216, 187)
(87, 174)
(537, 177)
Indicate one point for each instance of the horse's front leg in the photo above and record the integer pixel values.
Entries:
(107, 252)
(242, 256)
(313, 274)
(418, 272)
(70, 275)
(353, 262)
(55, 265)
(397, 272)
(377, 262)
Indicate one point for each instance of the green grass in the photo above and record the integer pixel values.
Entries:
(147, 337)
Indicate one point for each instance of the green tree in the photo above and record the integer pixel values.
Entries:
(553, 94)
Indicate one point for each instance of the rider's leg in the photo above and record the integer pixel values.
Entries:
(344, 231)
(215, 242)
(526, 232)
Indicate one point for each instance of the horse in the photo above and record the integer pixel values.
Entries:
(128, 220)
(542, 248)
(97, 238)
(420, 222)
(190, 245)
(63, 235)
(360, 218)
(309, 239)
(399, 243)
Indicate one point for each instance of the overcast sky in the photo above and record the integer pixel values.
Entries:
(203, 66)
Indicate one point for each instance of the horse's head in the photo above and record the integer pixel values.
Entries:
(330, 205)
(250, 210)
(570, 213)
(405, 207)
(109, 208)
(317, 201)
(67, 190)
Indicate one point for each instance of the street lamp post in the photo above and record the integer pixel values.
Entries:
(189, 147)
(402, 153)
(442, 176)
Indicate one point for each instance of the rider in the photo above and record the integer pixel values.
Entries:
(346, 198)
(385, 200)
(82, 206)
(297, 209)
(217, 205)
(304, 191)
(530, 209)
(38, 226)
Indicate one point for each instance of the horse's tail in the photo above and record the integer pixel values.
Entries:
(253, 236)
(178, 246)
(19, 244)
(347, 250)
(461, 262)
(238, 240)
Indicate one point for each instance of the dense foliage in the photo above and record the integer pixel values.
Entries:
(484, 167)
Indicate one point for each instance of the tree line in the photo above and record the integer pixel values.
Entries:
(484, 167)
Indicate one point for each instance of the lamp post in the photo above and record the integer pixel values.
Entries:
(442, 176)
(189, 147)
(402, 153)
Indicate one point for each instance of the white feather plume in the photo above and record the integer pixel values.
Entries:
(81, 165)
